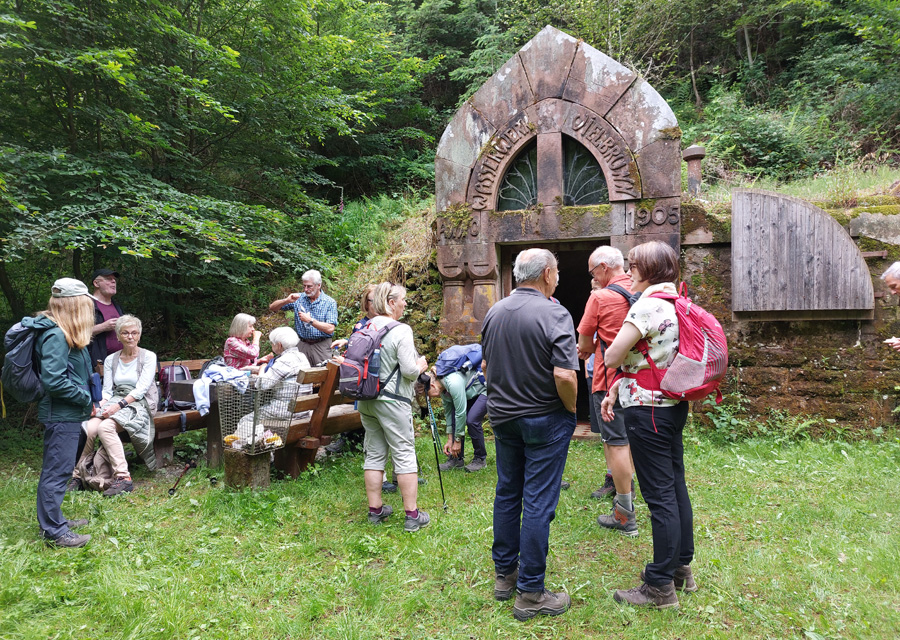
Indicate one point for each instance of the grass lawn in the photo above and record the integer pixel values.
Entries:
(793, 541)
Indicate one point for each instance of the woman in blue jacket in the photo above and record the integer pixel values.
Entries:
(65, 370)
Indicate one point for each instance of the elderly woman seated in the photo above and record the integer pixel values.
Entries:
(242, 346)
(129, 402)
(286, 365)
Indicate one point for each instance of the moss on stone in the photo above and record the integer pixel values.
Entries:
(696, 216)
(457, 214)
(670, 133)
(882, 210)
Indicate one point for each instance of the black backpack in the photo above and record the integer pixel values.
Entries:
(21, 374)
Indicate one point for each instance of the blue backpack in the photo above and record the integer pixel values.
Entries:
(460, 357)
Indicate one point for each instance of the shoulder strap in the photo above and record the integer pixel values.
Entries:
(115, 364)
(620, 290)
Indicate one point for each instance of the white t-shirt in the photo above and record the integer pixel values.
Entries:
(658, 324)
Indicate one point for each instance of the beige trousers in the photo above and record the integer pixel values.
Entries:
(107, 430)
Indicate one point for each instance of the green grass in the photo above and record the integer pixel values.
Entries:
(792, 541)
(839, 184)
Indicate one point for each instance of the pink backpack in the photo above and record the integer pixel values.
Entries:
(702, 357)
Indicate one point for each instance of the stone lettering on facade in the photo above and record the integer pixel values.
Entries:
(616, 161)
(660, 214)
(493, 157)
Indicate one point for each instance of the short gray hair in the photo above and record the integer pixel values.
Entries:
(893, 271)
(313, 275)
(285, 336)
(240, 324)
(530, 264)
(610, 256)
(127, 320)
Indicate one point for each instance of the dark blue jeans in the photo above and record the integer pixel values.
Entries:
(658, 453)
(63, 441)
(476, 409)
(531, 456)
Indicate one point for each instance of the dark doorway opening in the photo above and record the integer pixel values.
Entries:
(572, 292)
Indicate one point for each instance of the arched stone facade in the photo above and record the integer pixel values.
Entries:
(555, 90)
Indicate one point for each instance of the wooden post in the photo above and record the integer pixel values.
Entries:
(242, 470)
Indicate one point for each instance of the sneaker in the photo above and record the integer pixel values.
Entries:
(545, 603)
(608, 489)
(505, 585)
(620, 518)
(649, 596)
(378, 518)
(477, 464)
(683, 578)
(388, 487)
(80, 522)
(452, 463)
(119, 485)
(414, 524)
(69, 540)
(75, 484)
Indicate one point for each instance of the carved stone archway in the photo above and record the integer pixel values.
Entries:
(554, 95)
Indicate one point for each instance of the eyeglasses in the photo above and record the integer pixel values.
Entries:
(591, 271)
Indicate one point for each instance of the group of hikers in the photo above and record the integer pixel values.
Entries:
(524, 379)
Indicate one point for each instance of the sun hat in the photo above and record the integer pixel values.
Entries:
(69, 288)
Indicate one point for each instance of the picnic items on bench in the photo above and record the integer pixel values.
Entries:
(257, 419)
(216, 373)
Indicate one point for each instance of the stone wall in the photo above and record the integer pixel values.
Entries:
(834, 370)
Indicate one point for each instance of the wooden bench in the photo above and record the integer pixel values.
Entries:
(168, 424)
(331, 414)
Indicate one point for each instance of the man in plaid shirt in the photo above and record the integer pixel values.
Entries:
(315, 317)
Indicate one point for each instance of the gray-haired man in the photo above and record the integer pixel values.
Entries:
(315, 317)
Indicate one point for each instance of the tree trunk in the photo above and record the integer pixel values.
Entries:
(698, 102)
(747, 43)
(12, 298)
(76, 264)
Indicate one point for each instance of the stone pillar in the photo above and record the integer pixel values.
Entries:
(693, 155)
(245, 470)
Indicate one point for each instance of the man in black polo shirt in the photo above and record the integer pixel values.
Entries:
(531, 365)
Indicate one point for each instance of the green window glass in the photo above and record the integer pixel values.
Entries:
(583, 180)
(519, 187)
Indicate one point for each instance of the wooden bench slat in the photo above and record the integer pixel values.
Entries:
(193, 365)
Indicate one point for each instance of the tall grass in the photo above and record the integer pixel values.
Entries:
(793, 540)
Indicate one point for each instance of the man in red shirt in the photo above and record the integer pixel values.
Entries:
(106, 312)
(604, 315)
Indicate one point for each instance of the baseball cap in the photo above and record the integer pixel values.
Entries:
(103, 272)
(69, 288)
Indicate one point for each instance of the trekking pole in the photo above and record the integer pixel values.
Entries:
(188, 466)
(435, 437)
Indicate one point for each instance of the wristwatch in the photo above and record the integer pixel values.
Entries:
(122, 403)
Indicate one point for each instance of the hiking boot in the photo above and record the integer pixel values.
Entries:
(75, 484)
(336, 446)
(608, 489)
(388, 487)
(683, 578)
(80, 522)
(545, 603)
(414, 524)
(477, 464)
(119, 485)
(621, 519)
(378, 518)
(69, 540)
(505, 584)
(452, 463)
(649, 596)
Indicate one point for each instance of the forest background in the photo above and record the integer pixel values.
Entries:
(213, 150)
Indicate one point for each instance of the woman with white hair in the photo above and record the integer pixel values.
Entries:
(242, 345)
(129, 401)
(286, 365)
